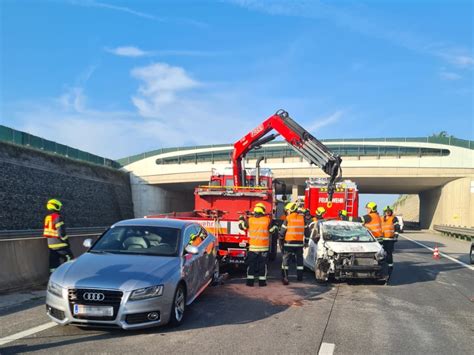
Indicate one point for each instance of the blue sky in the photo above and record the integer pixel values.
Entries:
(118, 78)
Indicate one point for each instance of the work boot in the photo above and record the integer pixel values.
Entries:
(299, 276)
(262, 283)
(250, 282)
(285, 281)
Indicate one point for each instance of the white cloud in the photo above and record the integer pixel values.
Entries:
(160, 83)
(325, 121)
(132, 51)
(128, 51)
(451, 76)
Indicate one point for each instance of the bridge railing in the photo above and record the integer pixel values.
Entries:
(358, 149)
(459, 232)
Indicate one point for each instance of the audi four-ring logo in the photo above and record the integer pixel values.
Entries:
(93, 296)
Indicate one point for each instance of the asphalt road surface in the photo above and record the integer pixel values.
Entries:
(426, 308)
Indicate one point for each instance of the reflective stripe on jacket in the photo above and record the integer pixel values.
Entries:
(388, 227)
(258, 233)
(54, 230)
(375, 224)
(295, 229)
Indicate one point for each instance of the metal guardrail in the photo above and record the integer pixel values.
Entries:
(462, 232)
(37, 233)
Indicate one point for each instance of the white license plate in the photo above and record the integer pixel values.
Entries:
(98, 311)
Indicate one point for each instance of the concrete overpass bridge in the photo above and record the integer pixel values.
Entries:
(439, 170)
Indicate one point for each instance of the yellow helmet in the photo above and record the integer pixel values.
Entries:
(372, 206)
(343, 212)
(320, 211)
(54, 205)
(259, 210)
(291, 206)
(388, 208)
(260, 204)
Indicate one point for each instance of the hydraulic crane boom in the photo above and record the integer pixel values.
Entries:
(299, 139)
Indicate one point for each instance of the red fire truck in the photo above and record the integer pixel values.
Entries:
(234, 191)
(345, 197)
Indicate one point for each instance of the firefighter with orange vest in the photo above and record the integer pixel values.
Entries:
(389, 227)
(371, 220)
(293, 233)
(259, 227)
(55, 232)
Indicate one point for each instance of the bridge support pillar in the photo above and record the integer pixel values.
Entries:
(451, 204)
(296, 190)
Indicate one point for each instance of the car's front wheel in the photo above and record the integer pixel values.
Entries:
(321, 271)
(179, 306)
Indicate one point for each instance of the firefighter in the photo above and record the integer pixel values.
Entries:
(343, 215)
(259, 228)
(293, 234)
(319, 214)
(371, 220)
(195, 239)
(55, 232)
(313, 225)
(389, 227)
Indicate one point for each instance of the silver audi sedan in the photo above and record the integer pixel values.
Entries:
(139, 273)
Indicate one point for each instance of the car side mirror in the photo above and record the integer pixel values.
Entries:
(87, 243)
(191, 249)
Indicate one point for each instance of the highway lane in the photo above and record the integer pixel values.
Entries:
(426, 307)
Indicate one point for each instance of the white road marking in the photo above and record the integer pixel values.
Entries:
(326, 349)
(26, 333)
(442, 254)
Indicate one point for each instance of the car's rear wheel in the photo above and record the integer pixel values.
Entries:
(179, 306)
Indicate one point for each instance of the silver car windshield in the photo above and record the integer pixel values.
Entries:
(346, 233)
(145, 240)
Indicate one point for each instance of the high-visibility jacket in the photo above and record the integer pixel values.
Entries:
(388, 226)
(258, 233)
(54, 231)
(295, 228)
(375, 224)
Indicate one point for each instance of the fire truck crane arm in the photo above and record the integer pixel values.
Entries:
(303, 142)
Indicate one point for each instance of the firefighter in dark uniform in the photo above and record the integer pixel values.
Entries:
(343, 215)
(259, 228)
(371, 220)
(294, 236)
(313, 225)
(55, 232)
(389, 227)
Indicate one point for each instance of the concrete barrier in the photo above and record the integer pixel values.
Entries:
(24, 261)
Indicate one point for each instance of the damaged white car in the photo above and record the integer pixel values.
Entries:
(345, 250)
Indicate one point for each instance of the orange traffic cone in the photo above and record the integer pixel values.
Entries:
(436, 253)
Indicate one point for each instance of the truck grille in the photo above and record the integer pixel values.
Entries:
(79, 296)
